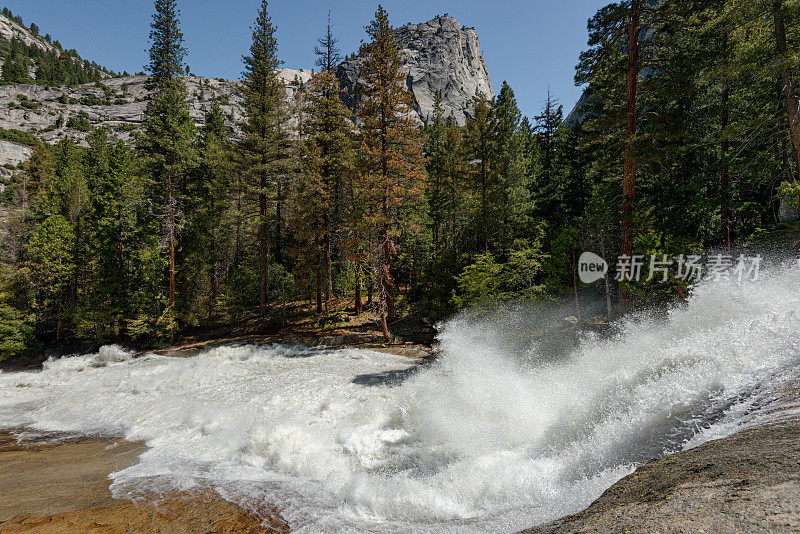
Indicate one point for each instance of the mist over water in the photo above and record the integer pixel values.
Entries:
(517, 423)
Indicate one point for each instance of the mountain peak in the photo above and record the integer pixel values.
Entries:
(11, 29)
(439, 56)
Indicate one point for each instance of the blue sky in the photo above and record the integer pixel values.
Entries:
(532, 44)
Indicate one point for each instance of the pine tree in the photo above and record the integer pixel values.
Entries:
(311, 201)
(390, 150)
(481, 139)
(545, 172)
(329, 128)
(265, 145)
(629, 177)
(328, 55)
(438, 172)
(613, 66)
(169, 134)
(116, 234)
(511, 195)
(213, 193)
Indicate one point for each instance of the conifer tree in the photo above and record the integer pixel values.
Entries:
(511, 195)
(328, 55)
(612, 66)
(391, 150)
(265, 144)
(311, 202)
(629, 175)
(169, 134)
(438, 199)
(545, 142)
(480, 138)
(329, 128)
(449, 205)
(213, 194)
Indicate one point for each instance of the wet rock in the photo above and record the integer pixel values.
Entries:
(748, 482)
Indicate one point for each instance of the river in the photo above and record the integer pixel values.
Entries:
(503, 431)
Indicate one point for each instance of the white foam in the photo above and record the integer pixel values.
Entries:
(487, 439)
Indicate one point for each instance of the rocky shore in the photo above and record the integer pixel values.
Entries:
(747, 482)
(52, 487)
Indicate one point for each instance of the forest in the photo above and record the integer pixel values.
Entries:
(28, 63)
(686, 141)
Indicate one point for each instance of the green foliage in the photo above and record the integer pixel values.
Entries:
(790, 192)
(16, 333)
(19, 137)
(479, 282)
(264, 148)
(79, 122)
(486, 280)
(49, 67)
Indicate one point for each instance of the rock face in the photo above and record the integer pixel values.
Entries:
(438, 56)
(55, 113)
(9, 29)
(13, 154)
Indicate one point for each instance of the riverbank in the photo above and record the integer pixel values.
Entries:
(342, 328)
(746, 482)
(55, 487)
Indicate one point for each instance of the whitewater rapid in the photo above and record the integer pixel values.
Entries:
(500, 433)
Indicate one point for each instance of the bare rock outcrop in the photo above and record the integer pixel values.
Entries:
(56, 113)
(439, 56)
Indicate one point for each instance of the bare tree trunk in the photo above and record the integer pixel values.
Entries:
(262, 247)
(359, 305)
(171, 239)
(609, 308)
(328, 270)
(575, 288)
(629, 178)
(725, 182)
(319, 285)
(385, 299)
(386, 284)
(792, 111)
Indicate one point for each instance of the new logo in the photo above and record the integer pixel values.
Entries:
(591, 267)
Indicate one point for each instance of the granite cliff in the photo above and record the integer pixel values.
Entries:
(439, 56)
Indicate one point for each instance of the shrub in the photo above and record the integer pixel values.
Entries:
(19, 137)
(16, 333)
(80, 123)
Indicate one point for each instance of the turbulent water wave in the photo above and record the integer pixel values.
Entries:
(502, 432)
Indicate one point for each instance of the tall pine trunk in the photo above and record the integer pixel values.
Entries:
(328, 269)
(629, 177)
(318, 272)
(725, 181)
(171, 239)
(789, 93)
(359, 305)
(263, 252)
